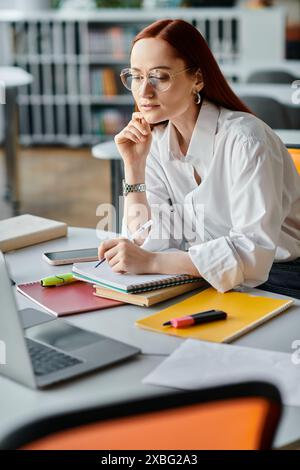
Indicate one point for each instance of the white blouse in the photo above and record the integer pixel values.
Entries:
(244, 214)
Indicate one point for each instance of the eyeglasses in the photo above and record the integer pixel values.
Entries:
(159, 79)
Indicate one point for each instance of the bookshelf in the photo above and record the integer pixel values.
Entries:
(76, 57)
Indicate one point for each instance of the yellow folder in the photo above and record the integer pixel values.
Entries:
(244, 313)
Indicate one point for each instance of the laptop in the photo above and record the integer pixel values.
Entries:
(40, 350)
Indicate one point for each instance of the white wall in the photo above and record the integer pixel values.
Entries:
(292, 8)
(24, 4)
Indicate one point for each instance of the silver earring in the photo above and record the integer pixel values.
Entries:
(197, 97)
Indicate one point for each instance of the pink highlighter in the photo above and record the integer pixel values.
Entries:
(197, 318)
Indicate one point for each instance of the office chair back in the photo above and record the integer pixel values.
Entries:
(269, 110)
(241, 416)
(295, 154)
(271, 76)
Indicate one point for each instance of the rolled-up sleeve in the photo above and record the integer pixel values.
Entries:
(245, 255)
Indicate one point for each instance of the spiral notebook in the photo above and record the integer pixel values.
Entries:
(130, 283)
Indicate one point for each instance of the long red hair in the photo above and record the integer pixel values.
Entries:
(192, 48)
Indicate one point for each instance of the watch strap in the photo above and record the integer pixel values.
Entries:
(133, 188)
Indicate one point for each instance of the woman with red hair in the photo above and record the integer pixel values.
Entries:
(217, 183)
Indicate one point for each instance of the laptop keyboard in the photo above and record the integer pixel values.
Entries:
(45, 359)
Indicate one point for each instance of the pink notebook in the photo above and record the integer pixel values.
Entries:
(64, 300)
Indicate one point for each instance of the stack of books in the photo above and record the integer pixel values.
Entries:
(144, 290)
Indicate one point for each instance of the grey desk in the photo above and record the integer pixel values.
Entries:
(12, 78)
(19, 404)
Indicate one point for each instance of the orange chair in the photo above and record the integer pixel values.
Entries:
(295, 154)
(241, 416)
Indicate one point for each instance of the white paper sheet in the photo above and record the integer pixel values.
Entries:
(198, 364)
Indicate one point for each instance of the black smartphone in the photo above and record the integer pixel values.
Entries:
(57, 258)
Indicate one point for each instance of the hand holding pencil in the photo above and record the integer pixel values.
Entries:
(121, 253)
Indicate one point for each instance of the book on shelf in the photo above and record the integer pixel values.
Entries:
(47, 80)
(73, 119)
(72, 79)
(103, 81)
(20, 39)
(46, 39)
(116, 38)
(110, 86)
(32, 39)
(114, 41)
(84, 84)
(70, 38)
(36, 108)
(108, 121)
(60, 114)
(57, 39)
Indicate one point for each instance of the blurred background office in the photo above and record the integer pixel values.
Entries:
(62, 99)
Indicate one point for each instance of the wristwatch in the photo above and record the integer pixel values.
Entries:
(133, 188)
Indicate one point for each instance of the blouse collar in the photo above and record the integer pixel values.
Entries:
(201, 146)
